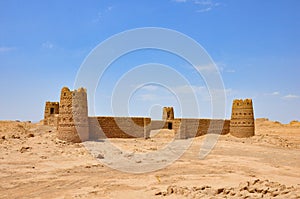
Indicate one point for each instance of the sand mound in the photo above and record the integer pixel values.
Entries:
(294, 123)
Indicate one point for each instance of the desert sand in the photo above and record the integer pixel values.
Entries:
(34, 164)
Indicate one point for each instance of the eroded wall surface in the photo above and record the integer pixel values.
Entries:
(73, 125)
(51, 113)
(119, 127)
(188, 128)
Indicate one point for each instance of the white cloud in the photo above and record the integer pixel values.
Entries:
(201, 91)
(230, 71)
(208, 67)
(47, 45)
(149, 88)
(275, 93)
(109, 8)
(6, 49)
(214, 67)
(202, 5)
(101, 14)
(291, 96)
(205, 9)
(148, 97)
(189, 88)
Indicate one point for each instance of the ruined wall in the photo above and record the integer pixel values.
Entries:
(73, 125)
(51, 120)
(159, 124)
(51, 113)
(188, 128)
(119, 127)
(168, 113)
(242, 118)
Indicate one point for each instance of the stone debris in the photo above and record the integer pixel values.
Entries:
(100, 156)
(25, 149)
(255, 189)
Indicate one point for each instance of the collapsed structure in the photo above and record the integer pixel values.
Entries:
(70, 116)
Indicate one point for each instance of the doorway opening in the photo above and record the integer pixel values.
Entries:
(170, 125)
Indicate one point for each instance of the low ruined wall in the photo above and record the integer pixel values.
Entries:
(188, 128)
(119, 127)
(159, 124)
(51, 120)
(176, 124)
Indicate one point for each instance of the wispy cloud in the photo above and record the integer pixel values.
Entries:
(291, 96)
(185, 89)
(202, 5)
(223, 67)
(148, 97)
(101, 14)
(48, 45)
(109, 8)
(212, 67)
(150, 88)
(201, 91)
(6, 49)
(230, 71)
(205, 9)
(206, 5)
(206, 68)
(184, 93)
(275, 93)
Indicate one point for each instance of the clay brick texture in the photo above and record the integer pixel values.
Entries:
(242, 118)
(51, 113)
(188, 128)
(119, 127)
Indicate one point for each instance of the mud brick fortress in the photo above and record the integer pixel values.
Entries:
(70, 116)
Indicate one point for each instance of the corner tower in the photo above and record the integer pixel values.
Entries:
(51, 112)
(73, 116)
(242, 118)
(168, 113)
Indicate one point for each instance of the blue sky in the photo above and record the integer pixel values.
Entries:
(255, 45)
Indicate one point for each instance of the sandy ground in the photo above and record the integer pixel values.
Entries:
(33, 164)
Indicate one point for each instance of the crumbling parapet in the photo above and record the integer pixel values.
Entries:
(242, 118)
(168, 113)
(73, 125)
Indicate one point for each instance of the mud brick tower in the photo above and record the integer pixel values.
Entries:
(168, 117)
(242, 118)
(168, 113)
(73, 123)
(51, 113)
